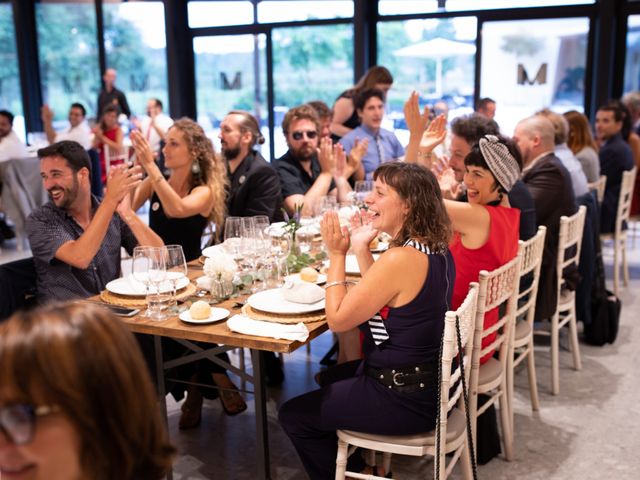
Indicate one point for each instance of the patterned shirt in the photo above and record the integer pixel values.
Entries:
(48, 228)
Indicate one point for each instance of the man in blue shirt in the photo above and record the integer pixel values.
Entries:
(383, 144)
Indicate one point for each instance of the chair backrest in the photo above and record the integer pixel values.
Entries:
(114, 157)
(599, 187)
(17, 286)
(570, 242)
(530, 252)
(465, 314)
(626, 196)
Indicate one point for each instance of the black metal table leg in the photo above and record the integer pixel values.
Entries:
(262, 427)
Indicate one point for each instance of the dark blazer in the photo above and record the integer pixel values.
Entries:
(615, 158)
(254, 189)
(550, 185)
(520, 198)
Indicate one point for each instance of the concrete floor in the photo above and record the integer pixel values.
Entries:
(587, 432)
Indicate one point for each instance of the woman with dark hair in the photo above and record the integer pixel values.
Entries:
(345, 118)
(76, 400)
(399, 307)
(181, 207)
(107, 134)
(582, 145)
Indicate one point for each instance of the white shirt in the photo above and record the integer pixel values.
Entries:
(163, 122)
(12, 147)
(80, 133)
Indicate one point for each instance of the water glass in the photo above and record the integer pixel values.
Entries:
(363, 188)
(176, 268)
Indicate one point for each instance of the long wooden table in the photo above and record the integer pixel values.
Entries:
(218, 333)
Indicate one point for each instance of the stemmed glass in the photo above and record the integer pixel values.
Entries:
(232, 229)
(248, 247)
(363, 188)
(176, 268)
(149, 267)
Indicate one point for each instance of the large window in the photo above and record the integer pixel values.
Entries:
(136, 47)
(632, 62)
(68, 53)
(289, 11)
(217, 14)
(531, 64)
(309, 63)
(397, 7)
(433, 57)
(10, 93)
(231, 75)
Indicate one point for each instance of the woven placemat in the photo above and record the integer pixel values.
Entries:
(277, 318)
(128, 301)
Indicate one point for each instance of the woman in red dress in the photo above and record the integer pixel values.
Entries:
(107, 134)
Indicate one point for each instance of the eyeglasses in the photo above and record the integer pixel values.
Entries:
(311, 134)
(17, 422)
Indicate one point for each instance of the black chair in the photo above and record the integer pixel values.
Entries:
(17, 286)
(96, 178)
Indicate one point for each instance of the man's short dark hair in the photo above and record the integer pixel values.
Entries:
(473, 127)
(483, 102)
(80, 107)
(76, 156)
(615, 107)
(321, 108)
(8, 114)
(157, 102)
(361, 99)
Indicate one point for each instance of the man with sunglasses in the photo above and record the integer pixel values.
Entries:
(311, 169)
(383, 145)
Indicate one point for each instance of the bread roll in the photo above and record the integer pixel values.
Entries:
(308, 274)
(200, 310)
(374, 244)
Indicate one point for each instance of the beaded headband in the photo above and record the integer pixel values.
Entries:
(501, 163)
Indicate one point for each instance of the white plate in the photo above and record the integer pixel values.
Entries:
(382, 246)
(272, 301)
(351, 264)
(217, 314)
(129, 286)
(322, 278)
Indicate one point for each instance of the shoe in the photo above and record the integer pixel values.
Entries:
(231, 401)
(191, 410)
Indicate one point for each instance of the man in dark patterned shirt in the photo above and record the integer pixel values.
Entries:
(75, 238)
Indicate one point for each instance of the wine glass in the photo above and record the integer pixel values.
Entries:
(249, 247)
(157, 273)
(363, 188)
(176, 268)
(145, 267)
(232, 228)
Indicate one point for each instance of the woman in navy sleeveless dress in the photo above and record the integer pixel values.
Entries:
(399, 305)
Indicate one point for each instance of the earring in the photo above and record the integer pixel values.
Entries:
(195, 168)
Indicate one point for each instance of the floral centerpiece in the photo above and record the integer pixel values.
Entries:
(220, 270)
(297, 260)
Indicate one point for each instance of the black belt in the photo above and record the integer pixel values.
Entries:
(405, 379)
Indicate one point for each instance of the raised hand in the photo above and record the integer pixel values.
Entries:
(435, 134)
(335, 238)
(122, 180)
(325, 155)
(359, 150)
(144, 154)
(340, 162)
(362, 232)
(416, 122)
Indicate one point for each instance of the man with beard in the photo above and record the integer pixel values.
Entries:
(308, 173)
(75, 239)
(254, 188)
(10, 144)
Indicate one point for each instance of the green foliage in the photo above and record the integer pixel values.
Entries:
(521, 45)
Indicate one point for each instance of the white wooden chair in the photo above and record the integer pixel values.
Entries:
(453, 434)
(570, 238)
(531, 258)
(619, 236)
(114, 157)
(599, 186)
(497, 287)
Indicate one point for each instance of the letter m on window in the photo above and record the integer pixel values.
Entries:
(235, 85)
(540, 78)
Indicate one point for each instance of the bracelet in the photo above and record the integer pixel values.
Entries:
(425, 154)
(343, 283)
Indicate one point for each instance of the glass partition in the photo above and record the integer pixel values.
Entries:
(632, 61)
(231, 75)
(135, 45)
(531, 64)
(68, 54)
(10, 91)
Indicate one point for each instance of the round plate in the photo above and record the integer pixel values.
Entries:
(217, 314)
(272, 301)
(322, 278)
(382, 246)
(212, 250)
(351, 266)
(130, 287)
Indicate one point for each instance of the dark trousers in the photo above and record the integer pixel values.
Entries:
(311, 421)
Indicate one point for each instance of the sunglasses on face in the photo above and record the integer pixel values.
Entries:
(18, 422)
(311, 134)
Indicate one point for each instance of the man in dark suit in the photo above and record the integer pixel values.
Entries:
(550, 185)
(254, 186)
(615, 158)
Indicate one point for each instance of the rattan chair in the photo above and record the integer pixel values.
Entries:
(569, 245)
(452, 419)
(599, 187)
(497, 288)
(531, 258)
(619, 236)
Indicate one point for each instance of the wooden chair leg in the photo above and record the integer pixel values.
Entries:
(341, 459)
(573, 334)
(533, 382)
(467, 470)
(505, 419)
(555, 355)
(625, 265)
(386, 462)
(616, 266)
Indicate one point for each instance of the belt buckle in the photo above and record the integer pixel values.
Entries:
(397, 379)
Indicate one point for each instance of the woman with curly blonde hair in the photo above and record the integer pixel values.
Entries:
(194, 193)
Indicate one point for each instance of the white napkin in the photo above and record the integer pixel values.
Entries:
(302, 292)
(243, 324)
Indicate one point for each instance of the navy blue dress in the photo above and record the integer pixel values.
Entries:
(362, 404)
